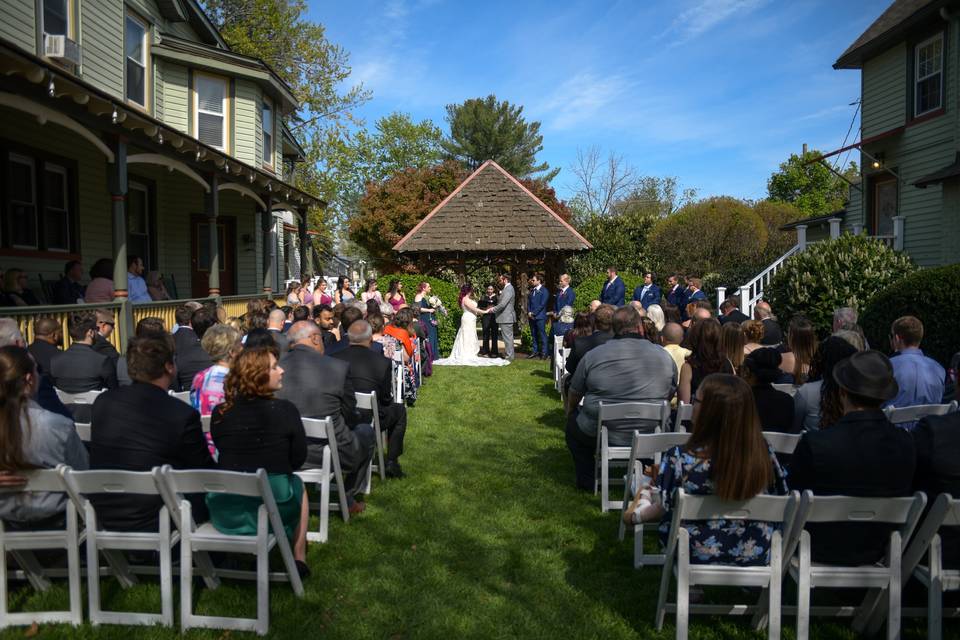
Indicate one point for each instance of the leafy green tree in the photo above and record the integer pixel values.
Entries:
(619, 240)
(484, 129)
(809, 185)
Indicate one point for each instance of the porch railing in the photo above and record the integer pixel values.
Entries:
(27, 316)
(165, 310)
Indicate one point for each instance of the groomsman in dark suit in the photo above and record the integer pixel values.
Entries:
(693, 291)
(566, 296)
(675, 294)
(537, 312)
(489, 346)
(648, 293)
(614, 289)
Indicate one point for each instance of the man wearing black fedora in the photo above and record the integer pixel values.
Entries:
(863, 454)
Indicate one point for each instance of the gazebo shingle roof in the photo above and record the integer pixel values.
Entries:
(491, 211)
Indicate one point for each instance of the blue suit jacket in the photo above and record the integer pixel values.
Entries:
(676, 297)
(652, 297)
(693, 297)
(537, 303)
(613, 294)
(565, 299)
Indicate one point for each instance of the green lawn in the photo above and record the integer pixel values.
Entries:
(485, 538)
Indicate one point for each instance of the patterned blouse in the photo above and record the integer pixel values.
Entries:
(735, 542)
(206, 392)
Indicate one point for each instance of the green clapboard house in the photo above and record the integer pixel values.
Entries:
(131, 128)
(909, 60)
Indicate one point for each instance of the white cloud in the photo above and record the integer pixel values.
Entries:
(704, 16)
(583, 98)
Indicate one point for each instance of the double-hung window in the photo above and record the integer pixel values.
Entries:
(56, 207)
(210, 110)
(928, 75)
(56, 17)
(37, 209)
(135, 51)
(267, 126)
(22, 208)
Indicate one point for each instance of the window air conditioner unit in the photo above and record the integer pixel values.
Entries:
(61, 47)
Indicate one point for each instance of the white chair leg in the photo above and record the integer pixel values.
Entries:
(93, 569)
(3, 581)
(73, 567)
(263, 577)
(935, 591)
(186, 570)
(664, 590)
(893, 614)
(604, 480)
(776, 564)
(683, 588)
(803, 589)
(166, 570)
(638, 546)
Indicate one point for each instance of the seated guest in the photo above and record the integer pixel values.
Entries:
(602, 332)
(33, 438)
(319, 387)
(582, 327)
(705, 357)
(68, 290)
(921, 379)
(100, 288)
(191, 306)
(256, 338)
(156, 287)
(772, 334)
(732, 342)
(15, 291)
(730, 311)
(726, 456)
(775, 408)
(753, 335)
(937, 441)
(671, 338)
(809, 397)
(255, 430)
(398, 345)
(136, 285)
(140, 427)
(650, 331)
(106, 323)
(147, 327)
(323, 316)
(368, 372)
(655, 313)
(46, 395)
(802, 345)
(627, 368)
(222, 344)
(863, 454)
(48, 336)
(350, 315)
(191, 358)
(562, 323)
(300, 313)
(275, 324)
(671, 313)
(80, 368)
(257, 319)
(377, 325)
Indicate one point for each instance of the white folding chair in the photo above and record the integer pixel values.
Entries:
(656, 415)
(21, 544)
(789, 389)
(945, 512)
(645, 446)
(884, 575)
(684, 414)
(183, 396)
(84, 430)
(418, 361)
(86, 397)
(773, 509)
(80, 485)
(327, 476)
(782, 442)
(270, 534)
(205, 423)
(368, 402)
(912, 414)
(398, 377)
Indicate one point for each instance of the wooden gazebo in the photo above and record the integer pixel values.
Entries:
(491, 220)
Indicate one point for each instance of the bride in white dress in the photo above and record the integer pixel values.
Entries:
(467, 346)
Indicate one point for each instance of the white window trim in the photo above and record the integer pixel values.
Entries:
(225, 115)
(269, 160)
(71, 22)
(64, 175)
(916, 74)
(32, 163)
(134, 185)
(145, 49)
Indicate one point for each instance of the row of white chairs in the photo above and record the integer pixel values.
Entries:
(176, 525)
(88, 397)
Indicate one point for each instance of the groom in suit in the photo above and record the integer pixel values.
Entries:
(505, 314)
(537, 312)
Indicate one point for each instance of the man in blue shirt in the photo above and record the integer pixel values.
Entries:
(537, 312)
(648, 293)
(136, 285)
(920, 378)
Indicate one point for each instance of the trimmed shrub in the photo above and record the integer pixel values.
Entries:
(448, 292)
(589, 289)
(846, 272)
(933, 295)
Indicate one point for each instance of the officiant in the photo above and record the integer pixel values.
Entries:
(488, 322)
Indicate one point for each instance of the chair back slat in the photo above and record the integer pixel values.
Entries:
(912, 414)
(647, 445)
(318, 428)
(38, 480)
(763, 508)
(855, 509)
(684, 414)
(631, 411)
(112, 482)
(206, 481)
(84, 430)
(183, 396)
(952, 517)
(366, 401)
(87, 397)
(205, 423)
(782, 442)
(789, 389)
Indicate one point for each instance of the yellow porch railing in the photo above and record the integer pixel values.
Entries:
(165, 310)
(236, 306)
(27, 316)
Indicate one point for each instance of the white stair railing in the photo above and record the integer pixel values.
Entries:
(752, 292)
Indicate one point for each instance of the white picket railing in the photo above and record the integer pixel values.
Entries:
(752, 292)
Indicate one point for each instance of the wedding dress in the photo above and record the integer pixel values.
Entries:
(467, 346)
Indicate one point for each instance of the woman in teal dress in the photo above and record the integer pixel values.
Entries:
(428, 319)
(253, 430)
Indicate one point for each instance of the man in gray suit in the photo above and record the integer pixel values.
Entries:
(505, 314)
(319, 386)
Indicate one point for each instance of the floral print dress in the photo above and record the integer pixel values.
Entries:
(735, 542)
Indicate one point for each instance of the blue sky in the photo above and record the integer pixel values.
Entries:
(714, 92)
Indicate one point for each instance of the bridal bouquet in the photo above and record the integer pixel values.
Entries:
(436, 303)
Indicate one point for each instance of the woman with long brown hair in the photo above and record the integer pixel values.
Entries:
(254, 430)
(732, 342)
(706, 357)
(726, 456)
(802, 341)
(32, 438)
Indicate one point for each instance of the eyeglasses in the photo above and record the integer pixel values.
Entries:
(112, 324)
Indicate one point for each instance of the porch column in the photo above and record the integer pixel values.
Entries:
(802, 237)
(898, 233)
(306, 257)
(721, 296)
(834, 228)
(745, 301)
(269, 246)
(213, 211)
(117, 183)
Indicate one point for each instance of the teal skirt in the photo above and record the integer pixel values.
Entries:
(237, 515)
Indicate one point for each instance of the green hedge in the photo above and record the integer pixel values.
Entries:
(933, 295)
(589, 289)
(448, 293)
(846, 272)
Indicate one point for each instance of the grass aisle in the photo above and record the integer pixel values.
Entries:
(486, 538)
